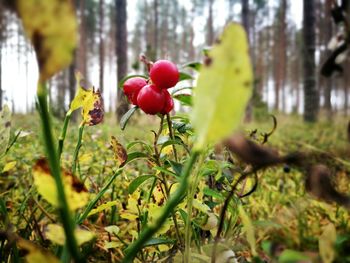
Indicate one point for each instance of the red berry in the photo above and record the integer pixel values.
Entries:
(164, 74)
(151, 99)
(169, 103)
(132, 88)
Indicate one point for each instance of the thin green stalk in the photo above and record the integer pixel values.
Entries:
(93, 202)
(63, 133)
(171, 134)
(171, 204)
(190, 196)
(67, 221)
(77, 148)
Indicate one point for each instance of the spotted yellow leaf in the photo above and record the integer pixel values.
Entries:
(55, 233)
(53, 42)
(5, 126)
(34, 253)
(120, 154)
(76, 193)
(224, 87)
(89, 99)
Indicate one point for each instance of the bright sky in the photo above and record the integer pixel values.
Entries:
(19, 73)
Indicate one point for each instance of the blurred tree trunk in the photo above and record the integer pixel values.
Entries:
(311, 97)
(245, 23)
(155, 29)
(82, 52)
(327, 35)
(283, 52)
(210, 27)
(101, 45)
(122, 54)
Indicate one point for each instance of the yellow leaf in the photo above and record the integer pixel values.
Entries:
(120, 154)
(55, 233)
(35, 254)
(248, 229)
(224, 87)
(326, 243)
(102, 207)
(9, 166)
(76, 193)
(53, 42)
(89, 100)
(5, 127)
(200, 206)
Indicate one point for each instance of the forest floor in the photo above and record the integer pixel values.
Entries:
(284, 216)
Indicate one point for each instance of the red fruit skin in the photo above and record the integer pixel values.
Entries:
(151, 99)
(169, 103)
(164, 74)
(132, 88)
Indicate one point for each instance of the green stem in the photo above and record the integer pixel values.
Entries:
(77, 148)
(171, 204)
(190, 196)
(93, 202)
(68, 223)
(171, 134)
(63, 133)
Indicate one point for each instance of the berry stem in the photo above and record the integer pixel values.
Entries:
(77, 147)
(63, 133)
(170, 206)
(171, 134)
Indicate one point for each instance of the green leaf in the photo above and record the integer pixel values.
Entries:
(137, 182)
(193, 65)
(135, 155)
(291, 256)
(185, 76)
(223, 89)
(158, 241)
(121, 83)
(124, 120)
(177, 167)
(177, 89)
(185, 99)
(210, 192)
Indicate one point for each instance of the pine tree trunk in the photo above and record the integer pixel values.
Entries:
(0, 72)
(328, 83)
(210, 33)
(311, 97)
(101, 45)
(82, 52)
(122, 54)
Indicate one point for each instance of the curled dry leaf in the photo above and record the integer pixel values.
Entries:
(76, 193)
(319, 183)
(53, 43)
(120, 154)
(257, 155)
(252, 153)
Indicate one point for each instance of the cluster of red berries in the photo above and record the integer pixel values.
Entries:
(153, 97)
